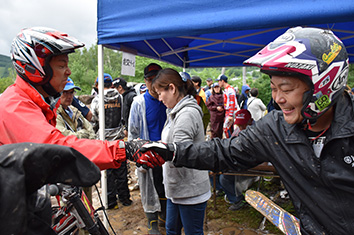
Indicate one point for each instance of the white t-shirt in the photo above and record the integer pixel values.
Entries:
(256, 108)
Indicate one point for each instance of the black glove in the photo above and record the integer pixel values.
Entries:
(132, 149)
(145, 158)
(166, 151)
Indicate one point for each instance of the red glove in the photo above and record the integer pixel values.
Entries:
(132, 149)
(150, 159)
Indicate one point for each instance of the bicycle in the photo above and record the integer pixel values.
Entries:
(76, 212)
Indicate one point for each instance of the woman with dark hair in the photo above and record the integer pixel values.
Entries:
(187, 190)
(215, 105)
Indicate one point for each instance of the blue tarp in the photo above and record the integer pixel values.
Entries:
(211, 33)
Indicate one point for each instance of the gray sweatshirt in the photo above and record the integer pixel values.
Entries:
(184, 123)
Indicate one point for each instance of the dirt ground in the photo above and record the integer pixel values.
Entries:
(127, 220)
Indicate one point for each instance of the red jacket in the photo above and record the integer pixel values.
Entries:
(26, 117)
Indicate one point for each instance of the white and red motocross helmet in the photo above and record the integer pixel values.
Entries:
(314, 54)
(33, 48)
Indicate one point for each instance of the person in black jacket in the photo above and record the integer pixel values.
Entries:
(310, 141)
(128, 94)
(117, 179)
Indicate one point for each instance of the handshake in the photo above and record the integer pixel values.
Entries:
(149, 153)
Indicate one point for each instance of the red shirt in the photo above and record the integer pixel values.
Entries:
(229, 100)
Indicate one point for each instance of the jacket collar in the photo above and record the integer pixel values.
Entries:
(48, 110)
(342, 124)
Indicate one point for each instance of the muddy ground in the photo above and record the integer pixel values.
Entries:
(127, 220)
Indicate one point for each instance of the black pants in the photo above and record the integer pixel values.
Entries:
(117, 183)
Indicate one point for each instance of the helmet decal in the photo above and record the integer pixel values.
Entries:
(335, 49)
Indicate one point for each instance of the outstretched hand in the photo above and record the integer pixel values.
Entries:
(166, 151)
(145, 158)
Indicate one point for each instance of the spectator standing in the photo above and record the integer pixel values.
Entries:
(230, 105)
(146, 121)
(216, 108)
(128, 94)
(117, 179)
(242, 100)
(209, 83)
(207, 88)
(215, 105)
(197, 81)
(255, 105)
(70, 120)
(187, 190)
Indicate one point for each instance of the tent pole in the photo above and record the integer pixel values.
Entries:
(102, 125)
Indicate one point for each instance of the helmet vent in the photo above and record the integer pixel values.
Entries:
(30, 69)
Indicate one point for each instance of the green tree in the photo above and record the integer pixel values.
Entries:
(83, 66)
(4, 83)
(351, 76)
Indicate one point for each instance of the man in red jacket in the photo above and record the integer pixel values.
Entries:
(28, 107)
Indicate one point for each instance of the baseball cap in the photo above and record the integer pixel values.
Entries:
(222, 77)
(70, 85)
(106, 78)
(209, 79)
(143, 87)
(151, 70)
(242, 117)
(120, 82)
(215, 84)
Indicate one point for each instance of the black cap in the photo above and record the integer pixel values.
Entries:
(120, 82)
(151, 70)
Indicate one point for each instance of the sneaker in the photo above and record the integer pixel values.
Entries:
(237, 205)
(126, 202)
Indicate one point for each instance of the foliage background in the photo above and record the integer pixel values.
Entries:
(83, 65)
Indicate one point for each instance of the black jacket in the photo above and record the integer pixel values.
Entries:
(322, 189)
(26, 167)
(128, 97)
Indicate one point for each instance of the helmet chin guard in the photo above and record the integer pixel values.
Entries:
(313, 54)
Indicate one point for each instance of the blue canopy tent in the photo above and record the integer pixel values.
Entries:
(210, 33)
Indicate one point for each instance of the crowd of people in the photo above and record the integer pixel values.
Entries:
(308, 139)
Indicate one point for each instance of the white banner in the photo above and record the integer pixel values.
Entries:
(128, 64)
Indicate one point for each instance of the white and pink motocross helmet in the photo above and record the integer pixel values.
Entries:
(313, 54)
